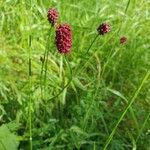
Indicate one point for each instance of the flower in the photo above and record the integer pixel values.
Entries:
(52, 16)
(123, 40)
(103, 28)
(63, 38)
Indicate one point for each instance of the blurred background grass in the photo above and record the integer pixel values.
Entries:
(83, 115)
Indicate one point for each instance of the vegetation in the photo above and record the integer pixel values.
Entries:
(95, 97)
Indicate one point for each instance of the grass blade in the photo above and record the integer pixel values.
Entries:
(126, 109)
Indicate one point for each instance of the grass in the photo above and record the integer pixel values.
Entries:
(96, 97)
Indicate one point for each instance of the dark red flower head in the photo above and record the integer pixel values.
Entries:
(123, 40)
(52, 16)
(103, 28)
(63, 38)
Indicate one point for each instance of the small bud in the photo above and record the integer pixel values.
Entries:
(52, 16)
(103, 28)
(123, 40)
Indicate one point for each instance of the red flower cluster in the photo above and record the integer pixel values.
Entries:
(103, 28)
(63, 38)
(52, 16)
(123, 40)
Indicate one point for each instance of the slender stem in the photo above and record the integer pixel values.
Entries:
(110, 56)
(126, 9)
(96, 91)
(44, 64)
(92, 43)
(45, 74)
(79, 65)
(41, 81)
(126, 109)
(61, 76)
(30, 105)
(146, 120)
(3, 145)
(30, 92)
(127, 6)
(69, 67)
(30, 82)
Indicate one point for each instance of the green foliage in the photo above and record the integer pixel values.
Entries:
(8, 140)
(88, 102)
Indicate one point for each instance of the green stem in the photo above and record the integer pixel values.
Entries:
(30, 92)
(146, 120)
(92, 44)
(126, 109)
(127, 6)
(61, 76)
(45, 74)
(41, 81)
(80, 66)
(68, 64)
(110, 56)
(30, 82)
(44, 64)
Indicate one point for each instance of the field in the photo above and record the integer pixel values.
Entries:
(94, 97)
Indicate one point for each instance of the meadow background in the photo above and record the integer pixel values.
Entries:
(93, 102)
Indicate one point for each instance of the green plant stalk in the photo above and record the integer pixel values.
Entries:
(126, 109)
(146, 120)
(3, 145)
(110, 56)
(126, 9)
(127, 6)
(44, 64)
(94, 146)
(88, 51)
(87, 115)
(30, 102)
(45, 73)
(79, 68)
(92, 44)
(61, 76)
(65, 86)
(30, 82)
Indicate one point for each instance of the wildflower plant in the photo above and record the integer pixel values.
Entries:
(87, 90)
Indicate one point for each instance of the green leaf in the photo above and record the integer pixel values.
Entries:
(78, 130)
(117, 93)
(8, 140)
(79, 84)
